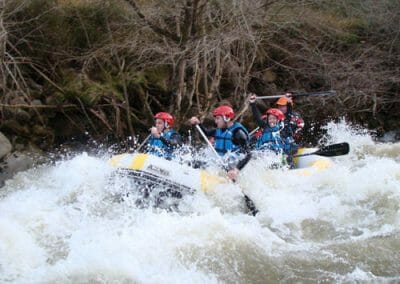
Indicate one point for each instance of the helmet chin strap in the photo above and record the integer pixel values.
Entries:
(166, 125)
(226, 119)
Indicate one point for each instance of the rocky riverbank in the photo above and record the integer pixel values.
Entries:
(13, 161)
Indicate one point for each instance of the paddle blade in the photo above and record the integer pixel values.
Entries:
(334, 150)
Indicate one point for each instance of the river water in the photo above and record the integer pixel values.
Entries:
(58, 224)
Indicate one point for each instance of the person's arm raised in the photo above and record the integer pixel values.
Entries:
(256, 113)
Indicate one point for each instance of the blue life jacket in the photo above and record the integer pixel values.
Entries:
(271, 139)
(157, 148)
(290, 145)
(223, 139)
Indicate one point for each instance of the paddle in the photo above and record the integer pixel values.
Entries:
(143, 143)
(330, 150)
(251, 133)
(249, 203)
(314, 94)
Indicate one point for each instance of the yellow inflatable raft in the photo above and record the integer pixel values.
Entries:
(185, 178)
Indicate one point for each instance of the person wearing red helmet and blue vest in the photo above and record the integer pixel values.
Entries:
(163, 140)
(270, 138)
(231, 138)
(271, 124)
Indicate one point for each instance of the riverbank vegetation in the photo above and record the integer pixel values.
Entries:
(72, 68)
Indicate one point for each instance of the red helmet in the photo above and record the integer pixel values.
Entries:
(224, 111)
(166, 117)
(279, 114)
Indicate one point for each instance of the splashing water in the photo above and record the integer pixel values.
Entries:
(61, 223)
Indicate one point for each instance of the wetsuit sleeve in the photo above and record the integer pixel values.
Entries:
(174, 141)
(257, 116)
(243, 162)
(241, 138)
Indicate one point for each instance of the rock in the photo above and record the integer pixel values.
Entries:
(19, 161)
(390, 136)
(36, 102)
(14, 163)
(33, 111)
(18, 100)
(54, 99)
(5, 146)
(22, 116)
(15, 127)
(19, 147)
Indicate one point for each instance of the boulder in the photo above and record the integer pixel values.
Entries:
(19, 161)
(14, 163)
(5, 146)
(22, 116)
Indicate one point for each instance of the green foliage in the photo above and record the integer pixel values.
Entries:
(90, 92)
(348, 38)
(79, 86)
(137, 82)
(158, 78)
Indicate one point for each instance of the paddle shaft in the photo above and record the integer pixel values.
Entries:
(209, 144)
(249, 203)
(143, 143)
(304, 155)
(254, 131)
(326, 93)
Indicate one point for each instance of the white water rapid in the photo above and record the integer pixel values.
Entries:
(59, 223)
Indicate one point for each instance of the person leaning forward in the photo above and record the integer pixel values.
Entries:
(230, 137)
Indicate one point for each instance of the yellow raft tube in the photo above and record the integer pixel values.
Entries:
(199, 179)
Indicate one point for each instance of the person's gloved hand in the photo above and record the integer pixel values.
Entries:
(289, 98)
(194, 120)
(155, 132)
(232, 174)
(252, 98)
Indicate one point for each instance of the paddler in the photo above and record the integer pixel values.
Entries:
(271, 125)
(293, 123)
(164, 139)
(231, 138)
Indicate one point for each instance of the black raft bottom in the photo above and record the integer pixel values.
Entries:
(149, 190)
